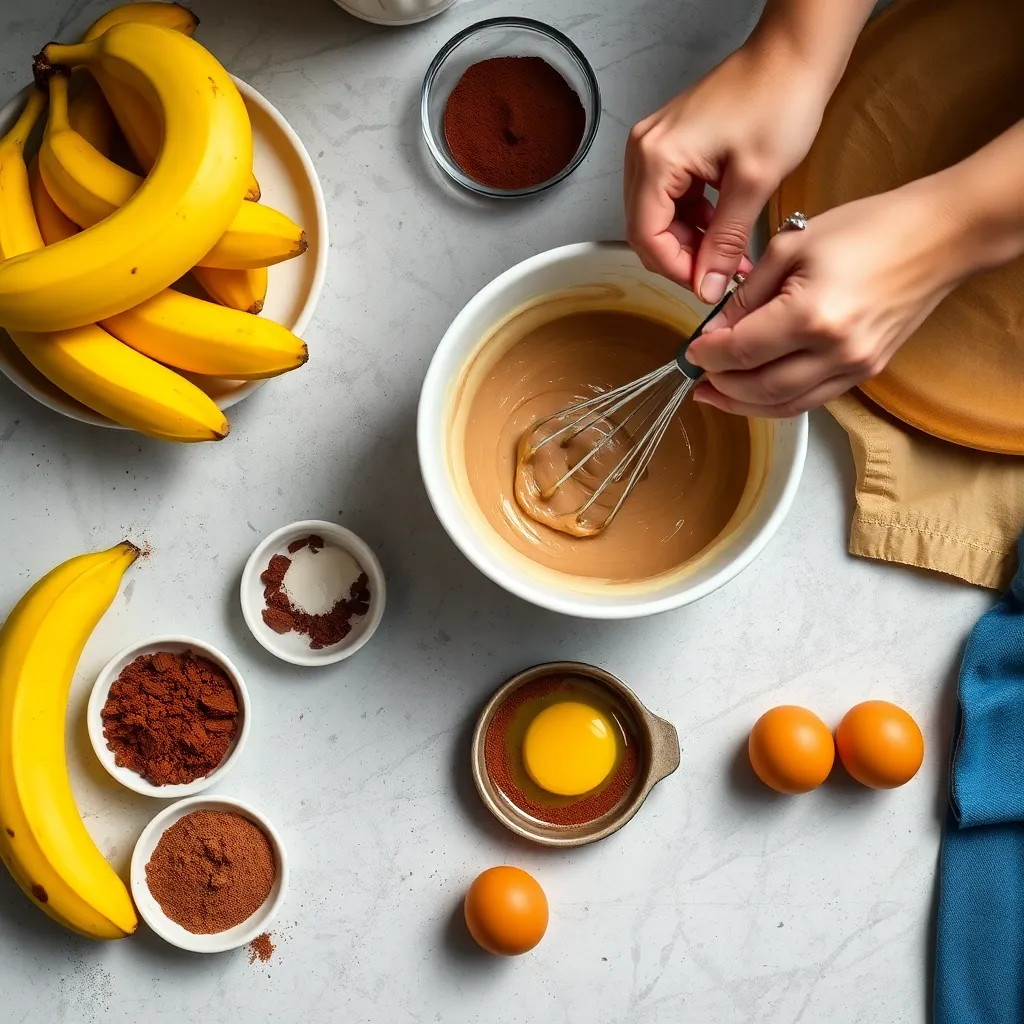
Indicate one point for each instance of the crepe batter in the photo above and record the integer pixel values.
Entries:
(695, 480)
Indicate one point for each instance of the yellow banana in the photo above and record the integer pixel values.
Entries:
(114, 380)
(18, 228)
(86, 362)
(88, 187)
(53, 225)
(202, 337)
(173, 220)
(166, 15)
(42, 838)
(138, 121)
(90, 115)
(238, 289)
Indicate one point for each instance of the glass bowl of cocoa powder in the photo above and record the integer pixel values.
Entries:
(509, 107)
(169, 716)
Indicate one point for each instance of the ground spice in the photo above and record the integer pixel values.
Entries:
(498, 761)
(211, 870)
(170, 717)
(513, 122)
(323, 630)
(261, 948)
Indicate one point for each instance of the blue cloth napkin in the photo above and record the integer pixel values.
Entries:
(979, 957)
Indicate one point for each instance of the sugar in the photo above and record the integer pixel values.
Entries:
(314, 583)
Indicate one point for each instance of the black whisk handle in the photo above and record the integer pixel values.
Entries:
(690, 369)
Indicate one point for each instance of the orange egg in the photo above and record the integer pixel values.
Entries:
(791, 749)
(879, 744)
(506, 911)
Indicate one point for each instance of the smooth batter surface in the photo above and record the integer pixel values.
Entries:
(692, 487)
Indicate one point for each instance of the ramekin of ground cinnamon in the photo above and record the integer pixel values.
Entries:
(313, 593)
(169, 717)
(209, 874)
(517, 752)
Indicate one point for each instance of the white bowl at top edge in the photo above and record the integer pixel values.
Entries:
(395, 12)
(151, 912)
(289, 183)
(582, 265)
(293, 647)
(173, 644)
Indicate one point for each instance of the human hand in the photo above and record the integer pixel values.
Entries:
(741, 130)
(826, 308)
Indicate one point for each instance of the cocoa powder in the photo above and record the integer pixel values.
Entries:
(171, 718)
(513, 122)
(211, 870)
(323, 629)
(261, 948)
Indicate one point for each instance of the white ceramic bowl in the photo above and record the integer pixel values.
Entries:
(101, 688)
(782, 445)
(293, 647)
(150, 910)
(288, 182)
(394, 12)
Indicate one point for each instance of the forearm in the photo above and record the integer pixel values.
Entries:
(984, 196)
(817, 34)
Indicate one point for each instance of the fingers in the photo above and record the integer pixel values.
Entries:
(741, 197)
(761, 285)
(818, 395)
(652, 191)
(766, 333)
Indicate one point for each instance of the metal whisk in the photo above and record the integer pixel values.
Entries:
(637, 414)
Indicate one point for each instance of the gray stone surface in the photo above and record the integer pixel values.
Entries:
(719, 903)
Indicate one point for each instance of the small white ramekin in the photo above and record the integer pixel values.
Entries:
(152, 913)
(293, 647)
(101, 688)
(586, 266)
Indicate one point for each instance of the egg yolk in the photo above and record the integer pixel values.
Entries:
(569, 748)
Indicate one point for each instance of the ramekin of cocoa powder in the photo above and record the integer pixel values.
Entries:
(209, 874)
(313, 593)
(169, 717)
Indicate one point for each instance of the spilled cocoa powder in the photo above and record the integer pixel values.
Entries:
(261, 948)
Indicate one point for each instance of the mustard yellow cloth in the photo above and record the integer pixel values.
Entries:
(928, 83)
(929, 503)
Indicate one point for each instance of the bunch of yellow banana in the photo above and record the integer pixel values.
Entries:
(90, 249)
(43, 842)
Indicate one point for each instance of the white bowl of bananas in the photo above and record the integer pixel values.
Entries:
(152, 333)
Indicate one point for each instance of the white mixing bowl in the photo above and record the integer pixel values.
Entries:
(777, 447)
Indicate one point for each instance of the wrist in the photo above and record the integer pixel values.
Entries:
(974, 233)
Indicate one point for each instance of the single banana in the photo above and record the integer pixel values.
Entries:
(114, 380)
(53, 225)
(173, 220)
(88, 187)
(18, 228)
(86, 362)
(90, 114)
(238, 289)
(138, 121)
(43, 841)
(201, 337)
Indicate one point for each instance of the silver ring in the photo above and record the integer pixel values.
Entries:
(796, 221)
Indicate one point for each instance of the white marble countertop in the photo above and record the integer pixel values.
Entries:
(719, 903)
